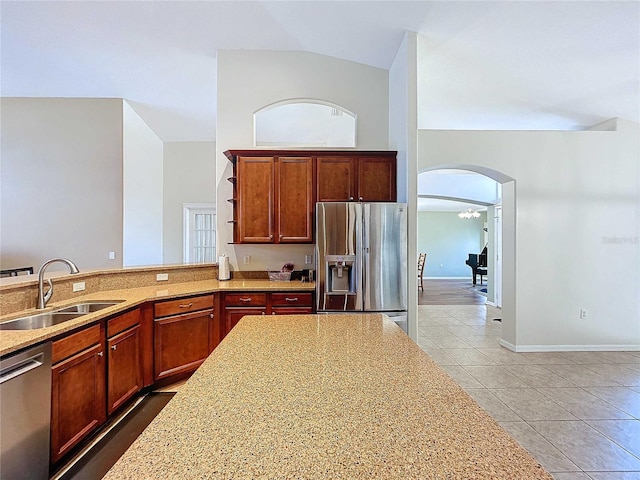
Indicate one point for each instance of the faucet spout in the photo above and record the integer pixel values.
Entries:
(43, 297)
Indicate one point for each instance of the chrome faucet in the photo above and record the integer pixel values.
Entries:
(43, 298)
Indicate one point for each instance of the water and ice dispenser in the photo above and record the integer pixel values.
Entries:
(340, 273)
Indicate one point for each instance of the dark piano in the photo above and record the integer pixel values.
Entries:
(478, 264)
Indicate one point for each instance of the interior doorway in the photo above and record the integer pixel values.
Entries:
(494, 192)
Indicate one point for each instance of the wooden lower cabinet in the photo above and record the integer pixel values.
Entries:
(237, 305)
(125, 369)
(78, 399)
(181, 343)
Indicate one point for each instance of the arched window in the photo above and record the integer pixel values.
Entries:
(304, 123)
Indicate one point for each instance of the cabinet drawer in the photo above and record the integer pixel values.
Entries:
(245, 300)
(122, 322)
(293, 299)
(183, 305)
(74, 343)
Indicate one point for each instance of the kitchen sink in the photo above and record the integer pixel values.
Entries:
(87, 307)
(40, 320)
(48, 319)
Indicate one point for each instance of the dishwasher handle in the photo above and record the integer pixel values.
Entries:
(22, 367)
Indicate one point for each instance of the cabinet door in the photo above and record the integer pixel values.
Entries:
(78, 399)
(125, 369)
(335, 179)
(291, 310)
(295, 199)
(181, 343)
(377, 179)
(256, 199)
(233, 315)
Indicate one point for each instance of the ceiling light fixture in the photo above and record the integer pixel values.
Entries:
(469, 214)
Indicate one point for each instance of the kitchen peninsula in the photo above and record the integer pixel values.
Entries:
(323, 396)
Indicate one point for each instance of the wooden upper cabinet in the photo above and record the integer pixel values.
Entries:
(336, 179)
(256, 196)
(377, 179)
(275, 191)
(294, 206)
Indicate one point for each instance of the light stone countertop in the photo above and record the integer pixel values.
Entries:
(323, 397)
(14, 340)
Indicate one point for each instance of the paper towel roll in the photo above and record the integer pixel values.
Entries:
(224, 272)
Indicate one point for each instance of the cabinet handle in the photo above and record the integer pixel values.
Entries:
(245, 299)
(270, 237)
(351, 199)
(273, 313)
(281, 237)
(361, 199)
(263, 313)
(100, 354)
(186, 305)
(211, 315)
(114, 347)
(287, 299)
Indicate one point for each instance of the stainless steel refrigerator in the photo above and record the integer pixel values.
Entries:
(361, 255)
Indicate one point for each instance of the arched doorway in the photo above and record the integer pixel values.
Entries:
(500, 205)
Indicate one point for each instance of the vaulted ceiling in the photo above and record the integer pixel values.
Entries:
(485, 65)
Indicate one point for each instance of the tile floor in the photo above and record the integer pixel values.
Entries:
(577, 413)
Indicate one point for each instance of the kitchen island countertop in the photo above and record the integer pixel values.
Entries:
(319, 397)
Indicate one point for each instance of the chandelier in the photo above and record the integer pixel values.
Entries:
(469, 214)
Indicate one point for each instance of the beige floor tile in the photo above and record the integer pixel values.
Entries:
(495, 377)
(586, 357)
(583, 376)
(586, 447)
(481, 341)
(538, 376)
(531, 405)
(450, 342)
(438, 356)
(570, 476)
(618, 373)
(632, 366)
(583, 404)
(625, 433)
(547, 358)
(614, 475)
(502, 356)
(623, 398)
(461, 376)
(494, 407)
(621, 357)
(552, 459)
(468, 356)
(464, 330)
(434, 332)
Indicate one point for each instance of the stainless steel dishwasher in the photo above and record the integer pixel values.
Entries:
(25, 412)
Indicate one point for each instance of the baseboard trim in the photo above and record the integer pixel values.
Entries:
(568, 348)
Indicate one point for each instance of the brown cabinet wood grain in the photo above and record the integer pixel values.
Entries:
(78, 398)
(275, 191)
(294, 199)
(376, 179)
(124, 379)
(256, 199)
(336, 179)
(181, 343)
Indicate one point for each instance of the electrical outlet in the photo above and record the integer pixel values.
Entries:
(78, 286)
(112, 255)
(307, 259)
(246, 259)
(161, 277)
(583, 314)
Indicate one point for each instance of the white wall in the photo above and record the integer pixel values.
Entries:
(577, 226)
(403, 138)
(61, 190)
(251, 80)
(189, 177)
(142, 192)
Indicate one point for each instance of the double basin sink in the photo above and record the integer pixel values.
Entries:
(48, 319)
